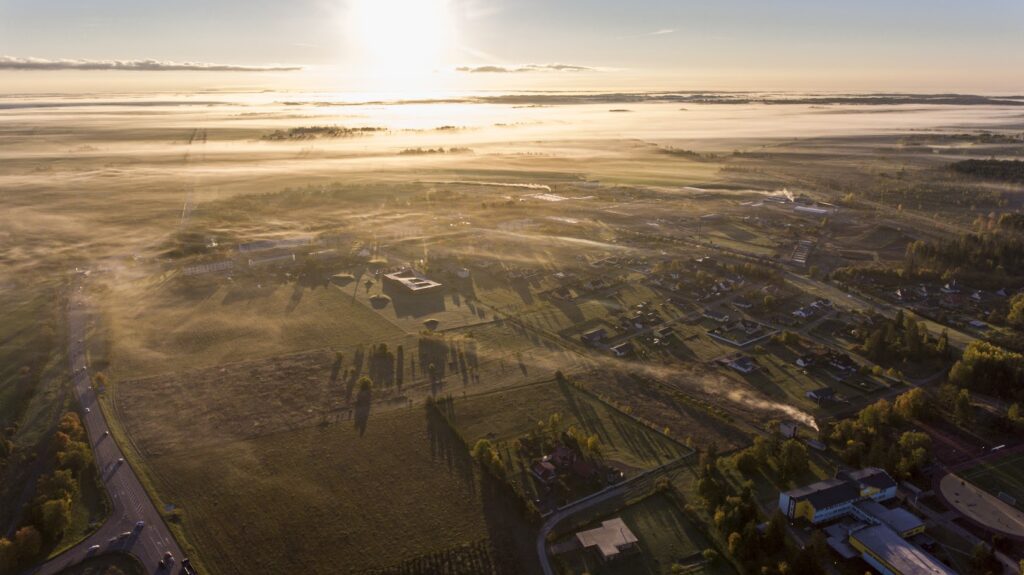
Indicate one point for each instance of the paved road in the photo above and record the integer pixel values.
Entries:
(130, 503)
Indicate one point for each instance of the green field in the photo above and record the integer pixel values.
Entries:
(1004, 475)
(665, 535)
(327, 499)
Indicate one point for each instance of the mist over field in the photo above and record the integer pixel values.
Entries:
(652, 278)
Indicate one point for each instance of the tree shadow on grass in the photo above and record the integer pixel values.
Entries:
(296, 298)
(512, 537)
(362, 410)
(446, 446)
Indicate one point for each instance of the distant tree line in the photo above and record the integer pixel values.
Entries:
(310, 132)
(1002, 170)
(1000, 253)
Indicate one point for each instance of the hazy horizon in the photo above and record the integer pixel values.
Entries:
(459, 45)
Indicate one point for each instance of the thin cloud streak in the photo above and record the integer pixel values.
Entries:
(13, 63)
(522, 69)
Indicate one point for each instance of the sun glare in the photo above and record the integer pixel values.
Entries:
(399, 39)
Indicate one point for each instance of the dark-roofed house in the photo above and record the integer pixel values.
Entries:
(822, 394)
(544, 471)
(820, 501)
(594, 336)
(743, 364)
(833, 498)
(874, 483)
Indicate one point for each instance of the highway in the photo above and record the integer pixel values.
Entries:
(129, 501)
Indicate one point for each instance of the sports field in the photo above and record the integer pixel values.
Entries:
(1005, 475)
(981, 505)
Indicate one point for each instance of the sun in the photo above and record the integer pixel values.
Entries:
(399, 39)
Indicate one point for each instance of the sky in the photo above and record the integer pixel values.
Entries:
(434, 45)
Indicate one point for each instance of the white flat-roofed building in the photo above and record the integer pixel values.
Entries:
(411, 281)
(611, 539)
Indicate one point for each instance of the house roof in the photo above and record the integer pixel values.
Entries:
(898, 518)
(610, 538)
(898, 554)
(826, 493)
(872, 477)
(743, 363)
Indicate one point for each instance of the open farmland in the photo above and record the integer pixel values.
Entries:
(156, 326)
(236, 302)
(315, 499)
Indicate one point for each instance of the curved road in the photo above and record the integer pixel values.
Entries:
(129, 501)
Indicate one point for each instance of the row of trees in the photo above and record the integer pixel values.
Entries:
(50, 513)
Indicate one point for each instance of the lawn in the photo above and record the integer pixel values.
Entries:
(666, 537)
(327, 499)
(1003, 475)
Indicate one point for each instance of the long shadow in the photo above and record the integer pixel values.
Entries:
(522, 289)
(296, 298)
(447, 447)
(511, 536)
(414, 305)
(335, 370)
(362, 411)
